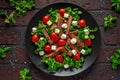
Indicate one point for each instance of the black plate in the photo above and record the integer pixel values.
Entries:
(88, 60)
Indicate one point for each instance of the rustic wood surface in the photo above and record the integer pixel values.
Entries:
(17, 58)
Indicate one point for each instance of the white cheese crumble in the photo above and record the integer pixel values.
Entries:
(74, 52)
(66, 15)
(73, 40)
(57, 31)
(82, 51)
(34, 29)
(64, 25)
(41, 53)
(66, 66)
(41, 38)
(74, 23)
(49, 23)
(86, 31)
(53, 47)
(63, 36)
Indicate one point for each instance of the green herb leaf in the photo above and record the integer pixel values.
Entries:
(109, 21)
(25, 74)
(115, 59)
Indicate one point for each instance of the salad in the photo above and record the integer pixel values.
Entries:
(62, 39)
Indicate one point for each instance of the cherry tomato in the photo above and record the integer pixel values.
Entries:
(47, 48)
(59, 58)
(76, 56)
(82, 22)
(45, 19)
(54, 37)
(62, 42)
(62, 12)
(88, 42)
(35, 38)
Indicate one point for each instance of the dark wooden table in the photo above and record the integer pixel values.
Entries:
(17, 58)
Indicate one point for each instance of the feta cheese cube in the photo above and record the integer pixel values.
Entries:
(66, 66)
(57, 31)
(34, 29)
(74, 23)
(41, 38)
(66, 15)
(86, 31)
(73, 40)
(63, 36)
(54, 47)
(41, 53)
(49, 23)
(64, 25)
(82, 51)
(74, 52)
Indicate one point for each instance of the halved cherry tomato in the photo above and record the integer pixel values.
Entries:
(45, 19)
(35, 38)
(59, 58)
(47, 48)
(54, 37)
(76, 56)
(82, 22)
(88, 42)
(62, 42)
(62, 11)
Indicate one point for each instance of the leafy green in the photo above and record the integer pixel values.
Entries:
(88, 50)
(10, 18)
(22, 6)
(116, 5)
(67, 46)
(74, 12)
(2, 13)
(53, 65)
(25, 74)
(40, 45)
(53, 15)
(109, 21)
(40, 28)
(3, 50)
(115, 59)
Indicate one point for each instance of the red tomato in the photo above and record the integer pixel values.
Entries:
(88, 42)
(35, 38)
(54, 37)
(62, 42)
(76, 56)
(47, 48)
(45, 19)
(59, 58)
(82, 22)
(62, 12)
